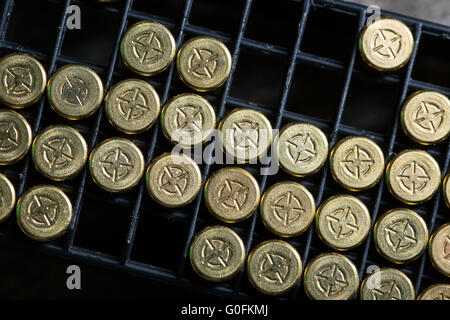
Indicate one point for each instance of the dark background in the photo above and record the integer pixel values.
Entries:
(315, 93)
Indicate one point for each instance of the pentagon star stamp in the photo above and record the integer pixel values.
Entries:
(446, 189)
(357, 163)
(331, 276)
(116, 165)
(302, 149)
(400, 235)
(188, 120)
(44, 212)
(132, 106)
(387, 284)
(22, 80)
(232, 194)
(15, 136)
(173, 180)
(204, 63)
(59, 152)
(147, 48)
(7, 198)
(287, 208)
(425, 117)
(274, 267)
(342, 222)
(217, 253)
(245, 135)
(413, 176)
(439, 249)
(386, 44)
(75, 91)
(440, 291)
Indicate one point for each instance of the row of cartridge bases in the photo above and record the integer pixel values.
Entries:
(232, 194)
